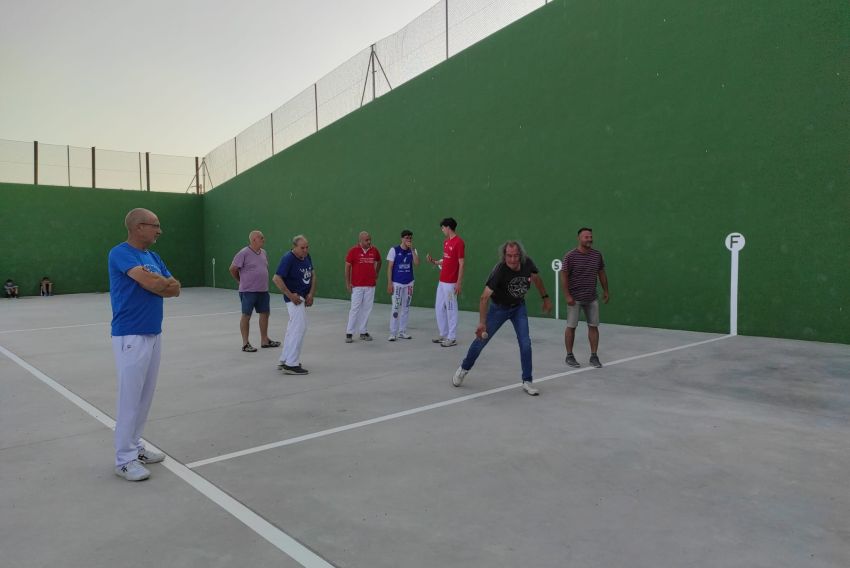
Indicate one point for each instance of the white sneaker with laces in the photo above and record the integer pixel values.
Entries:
(404, 335)
(132, 471)
(526, 386)
(449, 342)
(460, 374)
(438, 339)
(147, 456)
(391, 338)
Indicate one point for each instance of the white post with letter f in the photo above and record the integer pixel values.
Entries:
(734, 242)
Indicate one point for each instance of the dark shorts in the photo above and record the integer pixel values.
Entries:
(254, 301)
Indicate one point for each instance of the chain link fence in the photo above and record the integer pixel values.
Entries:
(447, 28)
(50, 164)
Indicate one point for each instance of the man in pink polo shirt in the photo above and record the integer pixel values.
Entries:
(362, 264)
(250, 268)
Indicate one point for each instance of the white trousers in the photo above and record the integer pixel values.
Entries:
(402, 296)
(446, 308)
(362, 299)
(137, 361)
(295, 330)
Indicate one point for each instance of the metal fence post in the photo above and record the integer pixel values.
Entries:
(271, 119)
(93, 184)
(197, 176)
(148, 169)
(35, 162)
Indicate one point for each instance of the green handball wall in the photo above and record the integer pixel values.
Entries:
(664, 126)
(66, 233)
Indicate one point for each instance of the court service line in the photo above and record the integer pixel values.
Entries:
(403, 413)
(107, 323)
(241, 512)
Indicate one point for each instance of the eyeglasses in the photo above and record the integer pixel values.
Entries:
(151, 225)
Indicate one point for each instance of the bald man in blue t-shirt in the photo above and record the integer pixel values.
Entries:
(138, 281)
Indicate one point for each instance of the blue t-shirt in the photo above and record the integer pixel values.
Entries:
(297, 274)
(402, 264)
(135, 311)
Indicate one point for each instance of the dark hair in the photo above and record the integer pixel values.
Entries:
(449, 222)
(584, 229)
(406, 233)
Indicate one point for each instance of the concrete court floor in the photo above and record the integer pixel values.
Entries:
(731, 453)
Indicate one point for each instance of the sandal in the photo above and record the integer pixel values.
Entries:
(248, 348)
(271, 343)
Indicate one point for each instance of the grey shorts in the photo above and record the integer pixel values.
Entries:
(591, 313)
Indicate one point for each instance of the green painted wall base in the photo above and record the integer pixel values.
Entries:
(66, 233)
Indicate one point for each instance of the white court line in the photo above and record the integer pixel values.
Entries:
(107, 323)
(361, 424)
(246, 516)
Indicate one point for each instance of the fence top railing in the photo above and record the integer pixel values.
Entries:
(52, 164)
(442, 31)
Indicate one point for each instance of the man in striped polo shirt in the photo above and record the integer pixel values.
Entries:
(579, 271)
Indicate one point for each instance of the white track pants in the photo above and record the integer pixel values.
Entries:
(402, 296)
(295, 330)
(446, 308)
(362, 299)
(137, 361)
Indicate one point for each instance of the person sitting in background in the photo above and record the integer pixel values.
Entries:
(46, 287)
(10, 288)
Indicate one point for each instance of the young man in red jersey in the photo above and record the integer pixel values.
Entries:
(451, 280)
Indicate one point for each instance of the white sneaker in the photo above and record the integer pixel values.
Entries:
(403, 335)
(526, 386)
(460, 374)
(449, 342)
(391, 338)
(133, 471)
(438, 339)
(147, 456)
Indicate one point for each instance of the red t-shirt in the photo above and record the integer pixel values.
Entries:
(363, 264)
(453, 251)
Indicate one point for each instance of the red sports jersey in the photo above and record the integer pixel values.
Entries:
(363, 264)
(453, 251)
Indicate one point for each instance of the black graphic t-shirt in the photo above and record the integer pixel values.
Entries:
(509, 287)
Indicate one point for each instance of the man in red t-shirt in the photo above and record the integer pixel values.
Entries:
(362, 264)
(451, 278)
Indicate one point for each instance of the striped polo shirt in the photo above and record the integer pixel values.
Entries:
(582, 271)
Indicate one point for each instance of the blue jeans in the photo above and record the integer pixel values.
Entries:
(496, 316)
